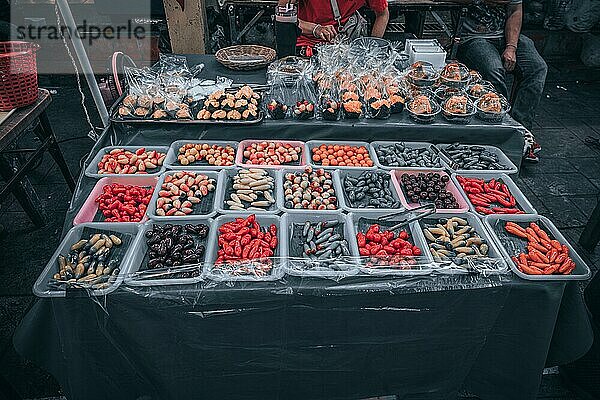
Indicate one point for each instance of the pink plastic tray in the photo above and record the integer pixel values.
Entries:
(90, 207)
(449, 186)
(239, 157)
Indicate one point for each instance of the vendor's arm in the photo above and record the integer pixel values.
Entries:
(512, 31)
(380, 24)
(323, 32)
(382, 16)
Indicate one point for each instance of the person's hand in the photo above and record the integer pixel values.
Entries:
(496, 3)
(326, 32)
(509, 57)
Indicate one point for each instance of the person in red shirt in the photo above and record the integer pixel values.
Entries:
(318, 25)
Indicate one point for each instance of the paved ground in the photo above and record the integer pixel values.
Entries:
(564, 186)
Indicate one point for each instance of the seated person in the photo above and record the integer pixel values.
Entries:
(318, 24)
(492, 44)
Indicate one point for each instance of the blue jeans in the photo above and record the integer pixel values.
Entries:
(485, 56)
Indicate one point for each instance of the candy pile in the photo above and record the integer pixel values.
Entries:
(341, 155)
(309, 189)
(304, 109)
(428, 187)
(124, 203)
(181, 192)
(370, 189)
(253, 190)
(121, 161)
(453, 239)
(244, 240)
(474, 157)
(491, 197)
(89, 262)
(544, 256)
(176, 245)
(323, 245)
(384, 248)
(213, 154)
(399, 155)
(271, 153)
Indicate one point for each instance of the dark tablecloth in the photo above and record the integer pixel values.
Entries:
(420, 338)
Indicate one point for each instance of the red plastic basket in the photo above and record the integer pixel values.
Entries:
(18, 74)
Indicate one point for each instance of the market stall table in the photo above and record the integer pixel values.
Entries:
(419, 337)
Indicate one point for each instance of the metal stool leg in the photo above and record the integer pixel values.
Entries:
(45, 132)
(591, 234)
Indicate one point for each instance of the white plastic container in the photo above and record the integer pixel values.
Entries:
(293, 265)
(92, 168)
(511, 245)
(41, 289)
(502, 158)
(280, 253)
(424, 262)
(141, 248)
(338, 182)
(411, 145)
(499, 263)
(281, 197)
(207, 202)
(225, 187)
(172, 163)
(316, 143)
(522, 201)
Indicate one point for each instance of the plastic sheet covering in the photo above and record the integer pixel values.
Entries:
(418, 336)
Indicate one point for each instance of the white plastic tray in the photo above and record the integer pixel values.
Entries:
(316, 143)
(502, 158)
(522, 201)
(92, 168)
(506, 241)
(40, 288)
(225, 182)
(351, 262)
(172, 163)
(280, 252)
(141, 248)
(152, 206)
(412, 145)
(483, 232)
(338, 180)
(425, 265)
(281, 197)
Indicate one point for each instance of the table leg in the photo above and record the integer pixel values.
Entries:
(591, 234)
(23, 192)
(45, 131)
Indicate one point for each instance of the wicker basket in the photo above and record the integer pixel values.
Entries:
(246, 57)
(18, 74)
